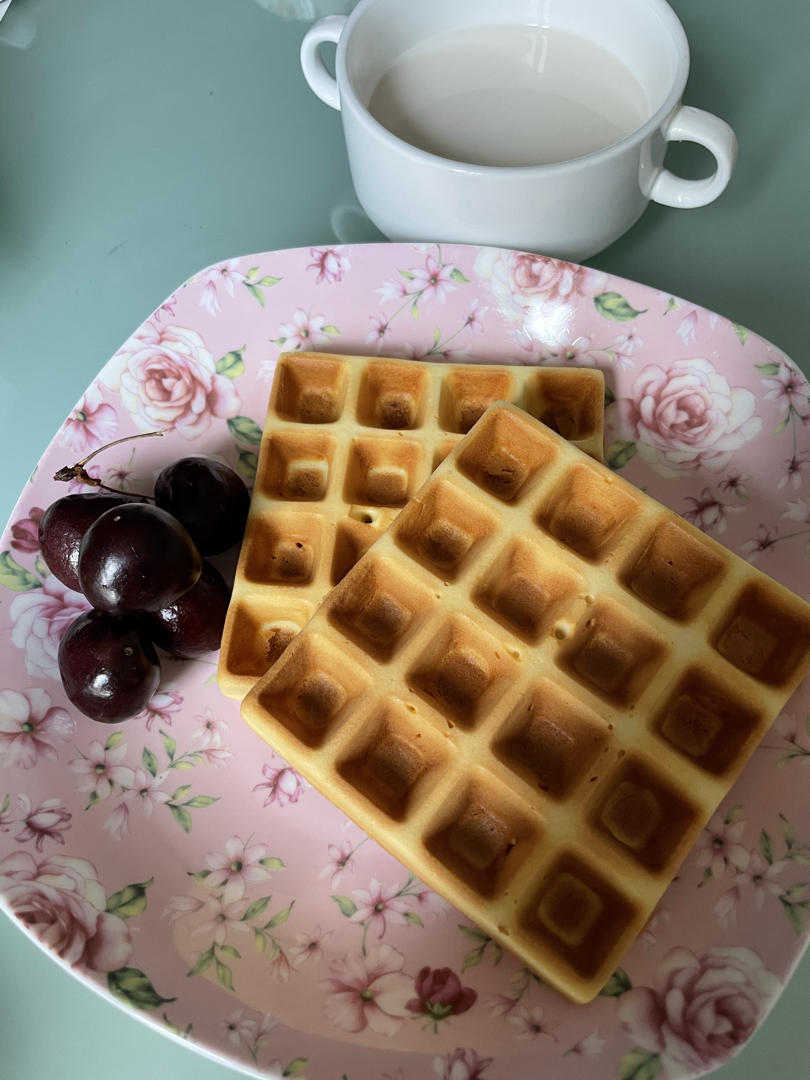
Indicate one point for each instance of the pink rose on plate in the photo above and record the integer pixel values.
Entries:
(39, 619)
(61, 901)
(553, 279)
(687, 416)
(538, 285)
(25, 531)
(168, 381)
(702, 1009)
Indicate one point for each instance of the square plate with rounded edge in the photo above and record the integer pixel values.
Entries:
(178, 865)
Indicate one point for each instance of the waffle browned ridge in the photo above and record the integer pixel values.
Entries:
(347, 441)
(534, 691)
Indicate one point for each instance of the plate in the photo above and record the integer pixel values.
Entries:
(179, 866)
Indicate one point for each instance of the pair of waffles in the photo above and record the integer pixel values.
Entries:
(538, 683)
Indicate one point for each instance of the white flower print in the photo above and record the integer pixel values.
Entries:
(100, 768)
(378, 906)
(241, 864)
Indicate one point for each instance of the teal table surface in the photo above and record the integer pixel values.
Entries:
(142, 142)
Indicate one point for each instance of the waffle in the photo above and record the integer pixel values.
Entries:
(346, 442)
(534, 691)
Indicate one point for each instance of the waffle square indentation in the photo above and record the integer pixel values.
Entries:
(381, 472)
(524, 593)
(676, 572)
(443, 528)
(571, 406)
(283, 547)
(312, 687)
(298, 466)
(379, 606)
(765, 634)
(392, 395)
(261, 633)
(355, 534)
(708, 721)
(466, 395)
(645, 815)
(551, 739)
(504, 454)
(613, 653)
(461, 671)
(577, 914)
(588, 511)
(483, 834)
(394, 759)
(311, 389)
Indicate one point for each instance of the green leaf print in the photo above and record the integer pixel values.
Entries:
(129, 901)
(198, 802)
(231, 365)
(150, 761)
(766, 847)
(639, 1065)
(114, 740)
(180, 793)
(230, 950)
(610, 397)
(473, 958)
(613, 306)
(169, 745)
(793, 912)
(181, 816)
(297, 1067)
(346, 904)
(457, 275)
(41, 568)
(204, 961)
(618, 984)
(224, 974)
(247, 464)
(280, 917)
(16, 577)
(255, 292)
(245, 430)
(133, 986)
(788, 832)
(619, 453)
(741, 332)
(272, 862)
(413, 918)
(768, 369)
(256, 908)
(474, 933)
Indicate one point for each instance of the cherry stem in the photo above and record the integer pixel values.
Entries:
(78, 471)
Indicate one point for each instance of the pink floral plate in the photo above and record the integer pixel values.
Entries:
(181, 867)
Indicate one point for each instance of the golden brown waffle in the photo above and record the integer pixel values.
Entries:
(534, 690)
(347, 441)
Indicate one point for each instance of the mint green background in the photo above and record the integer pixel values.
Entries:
(142, 141)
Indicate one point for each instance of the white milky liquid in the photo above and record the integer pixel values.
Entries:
(509, 95)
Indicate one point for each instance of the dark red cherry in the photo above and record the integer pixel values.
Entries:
(108, 669)
(136, 558)
(63, 526)
(193, 624)
(209, 498)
